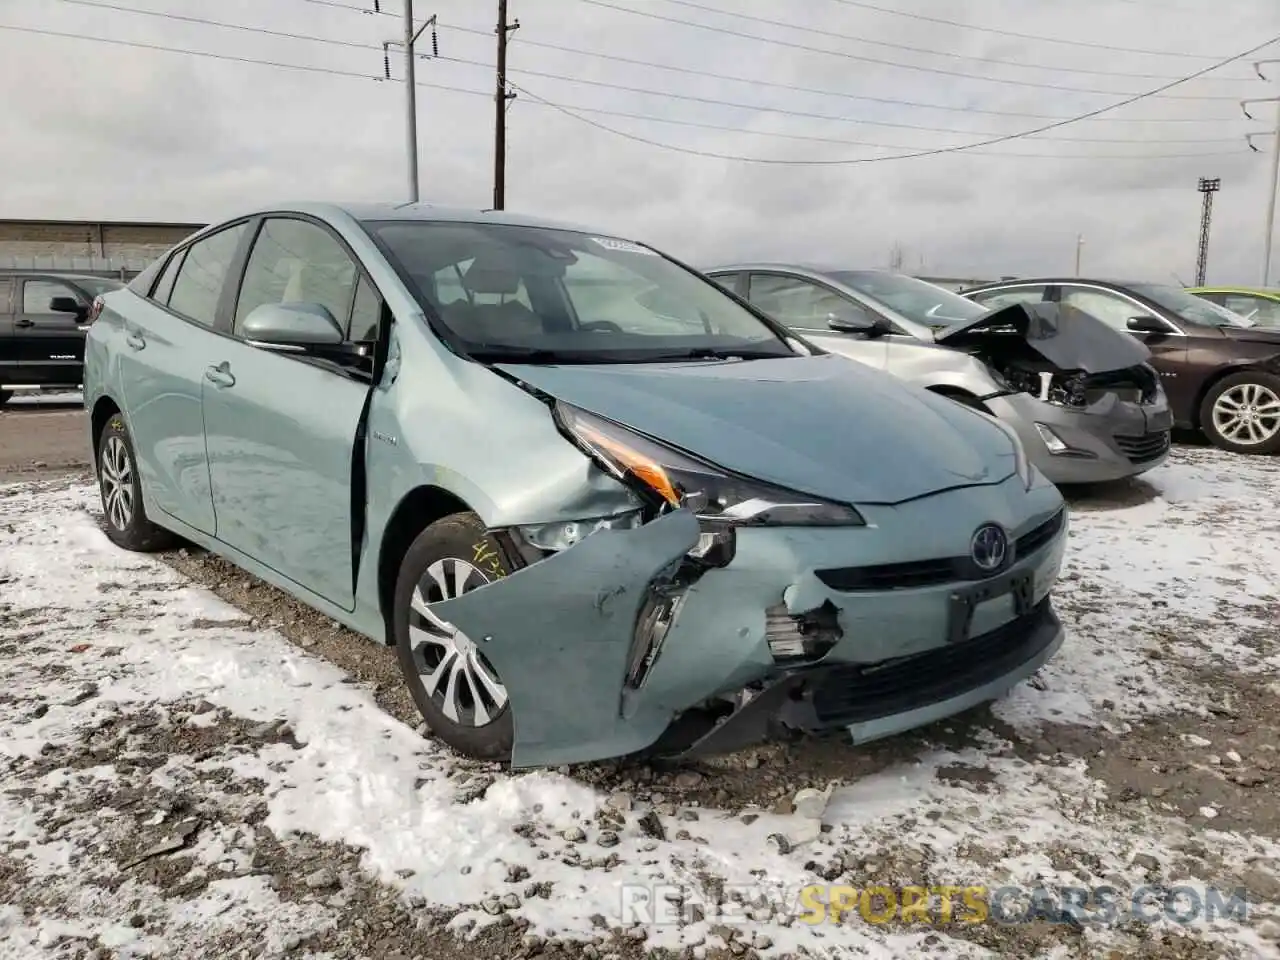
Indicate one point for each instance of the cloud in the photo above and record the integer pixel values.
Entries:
(95, 130)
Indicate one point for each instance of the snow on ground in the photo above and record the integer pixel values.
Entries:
(175, 780)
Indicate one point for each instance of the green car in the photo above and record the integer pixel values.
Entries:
(1253, 303)
(598, 504)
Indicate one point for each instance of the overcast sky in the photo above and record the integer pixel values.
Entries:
(96, 130)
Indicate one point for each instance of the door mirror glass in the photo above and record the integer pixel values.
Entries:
(66, 305)
(297, 325)
(1146, 325)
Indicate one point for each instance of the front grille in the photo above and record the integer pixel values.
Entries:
(1029, 543)
(1144, 448)
(860, 692)
(932, 573)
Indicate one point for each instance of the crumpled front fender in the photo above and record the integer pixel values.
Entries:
(559, 632)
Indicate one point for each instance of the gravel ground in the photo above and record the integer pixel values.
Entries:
(1177, 756)
(42, 435)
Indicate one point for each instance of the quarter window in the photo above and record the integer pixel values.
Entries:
(366, 312)
(798, 303)
(294, 261)
(1258, 309)
(38, 295)
(203, 271)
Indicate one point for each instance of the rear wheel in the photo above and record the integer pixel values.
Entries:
(121, 489)
(456, 689)
(4, 396)
(1241, 413)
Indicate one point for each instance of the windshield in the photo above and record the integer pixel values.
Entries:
(1189, 307)
(97, 286)
(549, 295)
(914, 299)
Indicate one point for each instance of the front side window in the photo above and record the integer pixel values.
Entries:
(203, 272)
(560, 295)
(998, 299)
(1113, 310)
(96, 287)
(38, 296)
(799, 304)
(917, 300)
(295, 261)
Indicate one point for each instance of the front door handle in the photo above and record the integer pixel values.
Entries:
(24, 323)
(220, 375)
(134, 340)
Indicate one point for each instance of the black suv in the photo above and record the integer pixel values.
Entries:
(42, 324)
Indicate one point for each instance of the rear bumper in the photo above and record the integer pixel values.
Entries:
(1110, 440)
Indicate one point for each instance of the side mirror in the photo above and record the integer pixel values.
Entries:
(857, 322)
(68, 305)
(1146, 325)
(297, 326)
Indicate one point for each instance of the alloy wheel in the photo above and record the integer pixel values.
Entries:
(1247, 414)
(454, 673)
(117, 484)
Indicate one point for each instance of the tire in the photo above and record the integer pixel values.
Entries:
(438, 551)
(121, 489)
(1241, 413)
(4, 396)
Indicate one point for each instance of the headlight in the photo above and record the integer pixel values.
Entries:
(672, 479)
(1020, 462)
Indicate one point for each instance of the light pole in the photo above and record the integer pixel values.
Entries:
(1274, 177)
(1079, 247)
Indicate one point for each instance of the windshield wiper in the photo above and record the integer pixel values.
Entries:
(515, 354)
(714, 353)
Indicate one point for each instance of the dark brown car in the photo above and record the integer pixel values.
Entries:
(1220, 372)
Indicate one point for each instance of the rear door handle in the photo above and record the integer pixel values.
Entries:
(220, 375)
(24, 323)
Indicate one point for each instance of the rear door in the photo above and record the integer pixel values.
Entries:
(809, 308)
(283, 430)
(49, 341)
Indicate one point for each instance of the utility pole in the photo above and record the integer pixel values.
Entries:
(1274, 177)
(501, 96)
(1079, 247)
(1208, 188)
(409, 42)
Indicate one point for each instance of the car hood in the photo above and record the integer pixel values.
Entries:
(1252, 334)
(1064, 335)
(823, 425)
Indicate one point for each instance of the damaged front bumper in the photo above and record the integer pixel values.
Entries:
(621, 642)
(1107, 440)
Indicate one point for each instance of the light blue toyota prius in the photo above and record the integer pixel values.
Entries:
(599, 505)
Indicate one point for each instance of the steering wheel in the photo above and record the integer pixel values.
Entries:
(601, 325)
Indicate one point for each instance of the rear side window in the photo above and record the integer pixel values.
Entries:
(1005, 298)
(165, 287)
(203, 272)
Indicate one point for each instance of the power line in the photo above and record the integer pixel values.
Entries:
(863, 5)
(877, 61)
(569, 111)
(753, 81)
(608, 85)
(832, 34)
(921, 153)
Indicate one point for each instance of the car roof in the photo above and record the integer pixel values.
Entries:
(1052, 280)
(1269, 292)
(410, 211)
(53, 272)
(800, 267)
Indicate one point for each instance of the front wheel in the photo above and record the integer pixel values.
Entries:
(456, 689)
(1241, 413)
(121, 489)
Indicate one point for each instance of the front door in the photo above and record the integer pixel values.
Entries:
(50, 343)
(162, 370)
(282, 429)
(810, 309)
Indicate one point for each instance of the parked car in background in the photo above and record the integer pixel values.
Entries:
(589, 526)
(1085, 401)
(42, 324)
(1253, 303)
(1221, 371)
